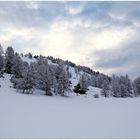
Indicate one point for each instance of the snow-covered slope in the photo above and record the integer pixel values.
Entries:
(29, 60)
(26, 59)
(34, 116)
(74, 79)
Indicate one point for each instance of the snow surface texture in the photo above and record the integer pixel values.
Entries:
(38, 116)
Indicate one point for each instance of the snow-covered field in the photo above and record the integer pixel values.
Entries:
(38, 116)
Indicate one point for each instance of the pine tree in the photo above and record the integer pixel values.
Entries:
(30, 56)
(93, 80)
(1, 62)
(27, 82)
(125, 86)
(9, 61)
(83, 84)
(64, 83)
(115, 88)
(1, 50)
(136, 86)
(1, 65)
(17, 66)
(123, 90)
(44, 76)
(77, 89)
(62, 77)
(105, 88)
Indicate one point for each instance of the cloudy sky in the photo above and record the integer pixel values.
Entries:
(102, 35)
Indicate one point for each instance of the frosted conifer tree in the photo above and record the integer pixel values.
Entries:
(9, 61)
(44, 76)
(105, 88)
(115, 87)
(62, 77)
(27, 82)
(1, 65)
(136, 86)
(83, 82)
(64, 83)
(93, 80)
(1, 50)
(17, 66)
(123, 90)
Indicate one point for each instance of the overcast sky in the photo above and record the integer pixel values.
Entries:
(102, 35)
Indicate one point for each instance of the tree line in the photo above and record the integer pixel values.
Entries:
(55, 79)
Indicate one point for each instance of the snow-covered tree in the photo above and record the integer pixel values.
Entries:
(136, 86)
(64, 83)
(25, 83)
(9, 61)
(55, 85)
(17, 67)
(105, 88)
(1, 62)
(30, 55)
(115, 88)
(1, 50)
(62, 77)
(126, 82)
(44, 76)
(1, 65)
(83, 83)
(77, 88)
(93, 80)
(123, 90)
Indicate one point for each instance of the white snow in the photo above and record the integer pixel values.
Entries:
(38, 116)
(51, 63)
(26, 59)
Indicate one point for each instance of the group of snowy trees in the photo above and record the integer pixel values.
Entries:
(121, 86)
(115, 86)
(54, 78)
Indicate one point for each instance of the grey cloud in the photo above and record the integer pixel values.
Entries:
(118, 57)
(18, 13)
(125, 57)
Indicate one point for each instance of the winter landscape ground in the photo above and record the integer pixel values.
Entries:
(35, 116)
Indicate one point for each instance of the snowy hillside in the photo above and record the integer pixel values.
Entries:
(46, 97)
(35, 116)
(57, 77)
(74, 78)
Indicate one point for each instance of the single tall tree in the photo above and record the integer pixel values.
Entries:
(44, 76)
(9, 61)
